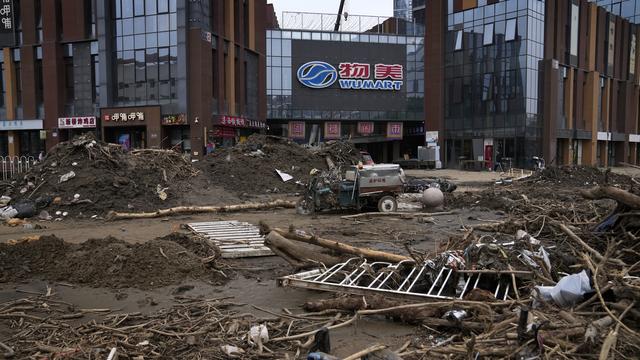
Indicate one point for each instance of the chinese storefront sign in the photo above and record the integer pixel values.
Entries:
(6, 16)
(124, 117)
(332, 130)
(394, 130)
(365, 128)
(296, 129)
(351, 75)
(235, 121)
(77, 122)
(179, 119)
(7, 25)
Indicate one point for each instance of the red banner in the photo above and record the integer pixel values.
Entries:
(332, 130)
(297, 129)
(365, 128)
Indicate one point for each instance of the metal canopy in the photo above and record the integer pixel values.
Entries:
(404, 280)
(234, 238)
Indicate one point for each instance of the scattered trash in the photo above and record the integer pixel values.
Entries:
(162, 192)
(456, 315)
(4, 201)
(67, 176)
(284, 176)
(8, 212)
(232, 351)
(15, 222)
(44, 215)
(76, 196)
(258, 334)
(26, 208)
(568, 291)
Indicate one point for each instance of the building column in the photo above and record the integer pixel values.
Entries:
(229, 66)
(435, 19)
(52, 69)
(633, 153)
(550, 110)
(590, 111)
(200, 91)
(14, 143)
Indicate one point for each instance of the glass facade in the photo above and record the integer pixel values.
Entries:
(628, 9)
(492, 71)
(145, 36)
(280, 77)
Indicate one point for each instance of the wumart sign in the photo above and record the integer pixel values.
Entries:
(351, 76)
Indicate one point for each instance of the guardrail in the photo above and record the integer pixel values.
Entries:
(11, 166)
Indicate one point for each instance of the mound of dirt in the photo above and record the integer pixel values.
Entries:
(93, 177)
(251, 167)
(107, 262)
(576, 176)
(554, 189)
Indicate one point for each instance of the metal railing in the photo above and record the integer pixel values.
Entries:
(349, 23)
(11, 166)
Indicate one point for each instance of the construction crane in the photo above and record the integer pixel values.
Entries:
(340, 9)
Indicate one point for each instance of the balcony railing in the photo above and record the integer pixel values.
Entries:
(349, 23)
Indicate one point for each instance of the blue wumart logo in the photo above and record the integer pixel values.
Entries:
(317, 74)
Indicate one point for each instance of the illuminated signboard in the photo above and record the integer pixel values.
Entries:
(351, 75)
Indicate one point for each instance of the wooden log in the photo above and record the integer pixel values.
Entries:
(610, 192)
(298, 256)
(343, 248)
(367, 351)
(403, 215)
(113, 215)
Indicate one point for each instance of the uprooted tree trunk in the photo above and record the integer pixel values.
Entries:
(341, 247)
(113, 215)
(610, 192)
(298, 256)
(430, 316)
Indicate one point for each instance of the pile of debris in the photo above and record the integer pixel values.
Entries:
(89, 177)
(110, 262)
(271, 164)
(558, 278)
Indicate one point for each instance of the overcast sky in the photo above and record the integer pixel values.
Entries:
(353, 7)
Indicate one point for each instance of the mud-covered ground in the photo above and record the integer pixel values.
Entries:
(146, 265)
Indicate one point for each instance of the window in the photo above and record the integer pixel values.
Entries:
(575, 18)
(2, 89)
(146, 44)
(511, 30)
(487, 91)
(69, 79)
(458, 43)
(38, 7)
(488, 34)
(18, 82)
(95, 79)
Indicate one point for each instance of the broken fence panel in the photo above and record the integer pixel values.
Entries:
(234, 239)
(404, 279)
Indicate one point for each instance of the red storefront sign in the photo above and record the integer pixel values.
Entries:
(77, 122)
(224, 132)
(332, 130)
(236, 121)
(297, 129)
(394, 130)
(365, 128)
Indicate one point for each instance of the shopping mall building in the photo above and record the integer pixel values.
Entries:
(525, 78)
(142, 73)
(364, 83)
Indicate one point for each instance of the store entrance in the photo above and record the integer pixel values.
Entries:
(128, 137)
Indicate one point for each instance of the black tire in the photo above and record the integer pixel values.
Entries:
(387, 204)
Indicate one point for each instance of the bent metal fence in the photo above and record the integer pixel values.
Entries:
(11, 166)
